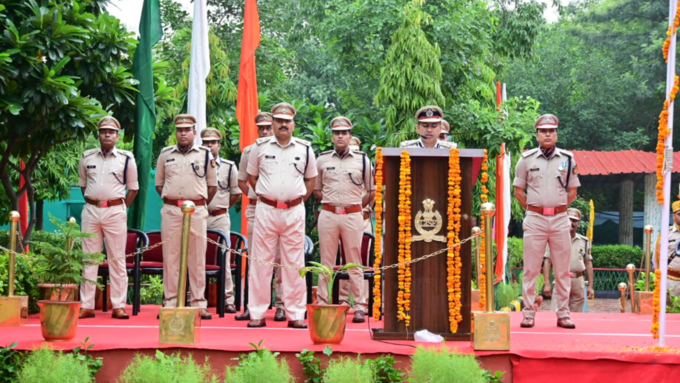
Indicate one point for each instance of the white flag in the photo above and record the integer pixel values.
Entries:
(200, 67)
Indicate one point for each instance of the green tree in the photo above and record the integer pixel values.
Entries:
(412, 74)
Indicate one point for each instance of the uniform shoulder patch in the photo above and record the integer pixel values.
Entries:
(248, 149)
(262, 140)
(408, 143)
(566, 153)
(357, 151)
(228, 162)
(325, 153)
(447, 144)
(204, 148)
(126, 153)
(303, 142)
(165, 149)
(582, 237)
(90, 152)
(530, 152)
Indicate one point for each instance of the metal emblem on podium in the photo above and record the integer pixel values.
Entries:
(428, 219)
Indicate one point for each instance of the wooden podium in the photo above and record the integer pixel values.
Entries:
(429, 302)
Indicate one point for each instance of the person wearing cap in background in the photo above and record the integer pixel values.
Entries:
(263, 120)
(185, 172)
(282, 169)
(673, 281)
(429, 127)
(228, 193)
(355, 144)
(344, 186)
(581, 261)
(546, 180)
(104, 175)
(444, 134)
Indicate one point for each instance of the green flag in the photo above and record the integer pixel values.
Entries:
(150, 32)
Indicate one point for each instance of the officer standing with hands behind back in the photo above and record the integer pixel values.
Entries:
(185, 172)
(546, 179)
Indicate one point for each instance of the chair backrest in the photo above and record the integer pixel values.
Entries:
(238, 243)
(136, 239)
(153, 255)
(212, 250)
(367, 251)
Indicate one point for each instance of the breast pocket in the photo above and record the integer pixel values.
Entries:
(560, 180)
(269, 165)
(535, 179)
(117, 171)
(172, 169)
(355, 176)
(296, 167)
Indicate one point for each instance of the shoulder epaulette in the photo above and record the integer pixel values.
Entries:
(357, 151)
(90, 152)
(583, 237)
(262, 140)
(165, 149)
(447, 144)
(248, 149)
(326, 152)
(303, 142)
(566, 153)
(405, 144)
(530, 152)
(126, 153)
(229, 162)
(204, 148)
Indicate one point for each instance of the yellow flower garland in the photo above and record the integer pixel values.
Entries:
(670, 32)
(453, 260)
(404, 271)
(661, 142)
(656, 297)
(377, 279)
(481, 283)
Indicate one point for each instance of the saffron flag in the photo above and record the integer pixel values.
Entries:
(200, 67)
(246, 101)
(150, 32)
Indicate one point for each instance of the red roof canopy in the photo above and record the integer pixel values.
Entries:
(597, 163)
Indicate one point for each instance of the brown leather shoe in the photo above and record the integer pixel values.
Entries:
(527, 323)
(565, 323)
(205, 314)
(255, 323)
(358, 317)
(280, 315)
(297, 324)
(119, 314)
(86, 313)
(230, 309)
(244, 316)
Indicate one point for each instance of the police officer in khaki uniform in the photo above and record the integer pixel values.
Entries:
(228, 193)
(344, 186)
(581, 261)
(673, 282)
(429, 127)
(185, 172)
(282, 169)
(105, 173)
(355, 144)
(263, 120)
(546, 179)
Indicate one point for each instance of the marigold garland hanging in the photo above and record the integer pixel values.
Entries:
(661, 142)
(377, 279)
(453, 260)
(656, 297)
(481, 278)
(404, 270)
(670, 32)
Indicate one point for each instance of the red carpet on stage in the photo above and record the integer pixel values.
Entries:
(617, 347)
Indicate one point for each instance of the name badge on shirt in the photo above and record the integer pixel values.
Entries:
(331, 168)
(91, 166)
(169, 160)
(534, 169)
(269, 157)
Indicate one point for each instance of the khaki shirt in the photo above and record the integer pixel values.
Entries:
(541, 176)
(673, 237)
(281, 169)
(341, 180)
(580, 251)
(227, 184)
(419, 144)
(182, 175)
(102, 177)
(243, 170)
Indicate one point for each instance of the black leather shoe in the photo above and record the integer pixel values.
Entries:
(205, 314)
(256, 323)
(230, 309)
(280, 315)
(297, 324)
(244, 316)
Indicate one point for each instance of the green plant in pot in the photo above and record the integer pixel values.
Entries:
(62, 267)
(327, 322)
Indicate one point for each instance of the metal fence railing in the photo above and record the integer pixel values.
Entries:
(605, 279)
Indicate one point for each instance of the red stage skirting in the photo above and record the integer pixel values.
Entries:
(604, 346)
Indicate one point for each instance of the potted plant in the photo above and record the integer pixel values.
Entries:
(327, 322)
(61, 267)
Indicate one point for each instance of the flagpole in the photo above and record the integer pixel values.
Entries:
(663, 259)
(199, 68)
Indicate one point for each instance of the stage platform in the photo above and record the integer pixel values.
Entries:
(603, 347)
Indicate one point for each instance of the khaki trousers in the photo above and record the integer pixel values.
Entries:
(577, 296)
(171, 223)
(349, 228)
(108, 223)
(250, 216)
(672, 286)
(540, 230)
(284, 230)
(223, 223)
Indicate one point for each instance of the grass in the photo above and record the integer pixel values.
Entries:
(349, 370)
(434, 366)
(166, 369)
(47, 366)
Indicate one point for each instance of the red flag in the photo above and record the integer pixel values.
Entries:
(246, 101)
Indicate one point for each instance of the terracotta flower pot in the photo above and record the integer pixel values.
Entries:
(58, 320)
(46, 291)
(327, 323)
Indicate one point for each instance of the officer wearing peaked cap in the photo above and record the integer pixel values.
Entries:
(546, 180)
(344, 186)
(104, 175)
(185, 172)
(429, 128)
(282, 169)
(228, 193)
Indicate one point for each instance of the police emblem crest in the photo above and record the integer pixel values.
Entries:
(428, 219)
